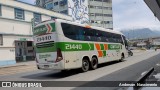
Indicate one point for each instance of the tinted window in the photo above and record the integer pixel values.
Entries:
(73, 32)
(87, 34)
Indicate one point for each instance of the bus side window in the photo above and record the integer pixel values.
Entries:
(80, 33)
(92, 34)
(98, 35)
(87, 36)
(69, 31)
(111, 39)
(108, 37)
(104, 37)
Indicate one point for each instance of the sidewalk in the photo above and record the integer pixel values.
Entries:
(19, 64)
(18, 68)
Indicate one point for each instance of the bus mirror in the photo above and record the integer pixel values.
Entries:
(122, 43)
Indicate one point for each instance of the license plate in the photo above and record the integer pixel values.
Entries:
(46, 66)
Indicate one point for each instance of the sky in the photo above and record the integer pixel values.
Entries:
(130, 14)
(133, 14)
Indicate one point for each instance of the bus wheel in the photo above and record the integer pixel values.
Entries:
(94, 63)
(122, 57)
(85, 65)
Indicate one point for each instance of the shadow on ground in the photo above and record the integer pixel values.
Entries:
(54, 74)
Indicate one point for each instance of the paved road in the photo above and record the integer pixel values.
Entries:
(128, 70)
(130, 73)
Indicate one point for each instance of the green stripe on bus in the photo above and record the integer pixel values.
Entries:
(113, 46)
(104, 53)
(92, 46)
(43, 29)
(46, 49)
(70, 46)
(73, 46)
(102, 46)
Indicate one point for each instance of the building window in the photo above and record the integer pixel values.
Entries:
(107, 15)
(49, 6)
(92, 14)
(56, 3)
(64, 11)
(1, 39)
(37, 17)
(63, 2)
(0, 11)
(108, 8)
(92, 21)
(53, 17)
(29, 44)
(108, 1)
(98, 0)
(19, 14)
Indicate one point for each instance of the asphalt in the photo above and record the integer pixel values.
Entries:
(130, 73)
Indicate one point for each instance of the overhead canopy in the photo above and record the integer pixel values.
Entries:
(154, 5)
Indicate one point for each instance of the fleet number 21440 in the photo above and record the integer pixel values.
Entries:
(73, 46)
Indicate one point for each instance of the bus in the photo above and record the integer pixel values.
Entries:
(65, 45)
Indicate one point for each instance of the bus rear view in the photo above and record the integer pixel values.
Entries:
(66, 45)
(48, 56)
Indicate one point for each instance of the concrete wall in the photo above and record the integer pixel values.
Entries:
(7, 50)
(7, 56)
(9, 26)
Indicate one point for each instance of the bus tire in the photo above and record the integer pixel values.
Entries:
(94, 63)
(85, 65)
(122, 57)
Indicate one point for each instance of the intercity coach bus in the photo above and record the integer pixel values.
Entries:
(65, 45)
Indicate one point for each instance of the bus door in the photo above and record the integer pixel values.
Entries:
(125, 46)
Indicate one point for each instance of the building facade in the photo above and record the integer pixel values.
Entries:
(77, 9)
(146, 42)
(100, 13)
(94, 12)
(16, 42)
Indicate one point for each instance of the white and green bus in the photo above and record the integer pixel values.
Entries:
(64, 45)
